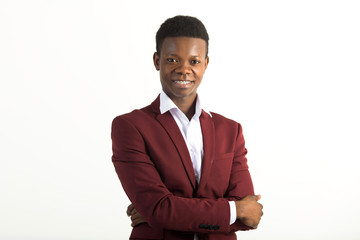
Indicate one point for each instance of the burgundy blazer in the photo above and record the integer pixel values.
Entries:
(155, 169)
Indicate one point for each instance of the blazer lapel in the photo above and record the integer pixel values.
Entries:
(208, 132)
(169, 124)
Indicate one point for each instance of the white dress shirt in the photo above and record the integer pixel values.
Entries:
(191, 131)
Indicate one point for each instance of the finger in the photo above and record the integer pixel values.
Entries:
(130, 209)
(134, 224)
(136, 220)
(135, 216)
(253, 225)
(134, 211)
(258, 197)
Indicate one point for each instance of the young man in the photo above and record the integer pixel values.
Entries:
(183, 168)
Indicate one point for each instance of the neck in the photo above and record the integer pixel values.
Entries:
(187, 106)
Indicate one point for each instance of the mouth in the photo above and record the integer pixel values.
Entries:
(182, 82)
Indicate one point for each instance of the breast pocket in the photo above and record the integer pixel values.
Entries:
(221, 156)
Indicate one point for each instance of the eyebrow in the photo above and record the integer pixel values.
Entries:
(175, 55)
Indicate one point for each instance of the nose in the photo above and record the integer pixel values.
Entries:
(183, 69)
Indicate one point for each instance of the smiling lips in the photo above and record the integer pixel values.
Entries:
(182, 82)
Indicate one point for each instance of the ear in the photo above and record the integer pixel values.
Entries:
(206, 62)
(156, 59)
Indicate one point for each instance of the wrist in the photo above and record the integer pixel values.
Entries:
(239, 210)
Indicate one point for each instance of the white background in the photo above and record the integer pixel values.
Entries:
(288, 71)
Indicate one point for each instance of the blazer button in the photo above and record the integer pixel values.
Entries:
(214, 227)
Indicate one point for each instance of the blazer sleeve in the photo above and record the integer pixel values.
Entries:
(145, 189)
(240, 184)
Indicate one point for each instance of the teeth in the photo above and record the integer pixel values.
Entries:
(183, 82)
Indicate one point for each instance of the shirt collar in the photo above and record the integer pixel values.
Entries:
(167, 104)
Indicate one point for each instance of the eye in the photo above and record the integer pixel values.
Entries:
(195, 61)
(171, 60)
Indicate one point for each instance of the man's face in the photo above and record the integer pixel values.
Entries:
(182, 64)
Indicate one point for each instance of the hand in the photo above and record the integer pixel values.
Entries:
(249, 211)
(135, 217)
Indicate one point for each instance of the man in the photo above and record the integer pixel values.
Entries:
(183, 168)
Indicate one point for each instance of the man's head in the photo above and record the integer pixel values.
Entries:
(181, 57)
(181, 26)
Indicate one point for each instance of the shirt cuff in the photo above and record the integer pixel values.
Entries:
(232, 212)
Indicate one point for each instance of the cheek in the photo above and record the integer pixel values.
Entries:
(164, 72)
(199, 72)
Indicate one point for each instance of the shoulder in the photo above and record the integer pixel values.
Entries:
(220, 119)
(224, 125)
(142, 115)
(134, 117)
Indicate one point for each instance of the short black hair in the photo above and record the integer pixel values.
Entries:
(181, 26)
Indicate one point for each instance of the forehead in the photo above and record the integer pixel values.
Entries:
(183, 46)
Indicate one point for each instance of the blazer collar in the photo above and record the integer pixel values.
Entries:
(169, 124)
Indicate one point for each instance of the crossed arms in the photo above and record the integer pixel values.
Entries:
(177, 209)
